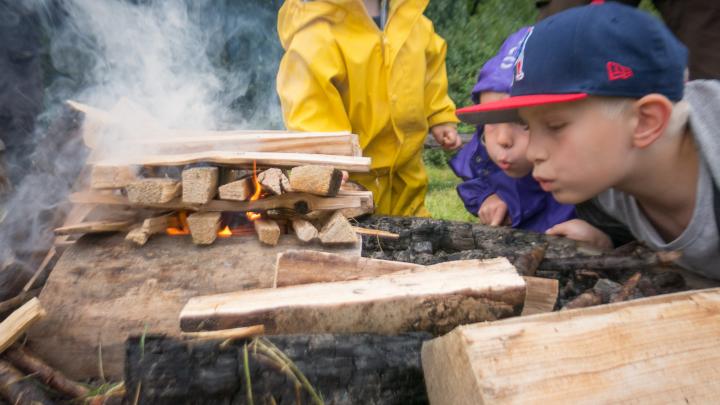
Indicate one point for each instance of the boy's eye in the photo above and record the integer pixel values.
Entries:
(556, 126)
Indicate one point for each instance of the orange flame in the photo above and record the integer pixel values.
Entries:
(258, 190)
(182, 228)
(225, 233)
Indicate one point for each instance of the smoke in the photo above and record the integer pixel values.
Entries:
(190, 64)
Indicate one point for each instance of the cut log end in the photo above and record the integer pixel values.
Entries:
(320, 180)
(337, 230)
(199, 184)
(239, 190)
(268, 231)
(153, 191)
(304, 230)
(204, 227)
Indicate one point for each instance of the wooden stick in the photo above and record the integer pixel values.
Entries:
(51, 254)
(300, 202)
(375, 232)
(236, 333)
(431, 300)
(26, 361)
(18, 322)
(270, 159)
(17, 390)
(95, 227)
(304, 230)
(541, 295)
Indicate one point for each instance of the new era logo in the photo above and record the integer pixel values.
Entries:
(617, 71)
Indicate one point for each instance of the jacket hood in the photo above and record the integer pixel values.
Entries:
(294, 15)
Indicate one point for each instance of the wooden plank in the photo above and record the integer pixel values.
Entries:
(103, 290)
(297, 267)
(658, 350)
(541, 296)
(110, 177)
(431, 300)
(300, 202)
(316, 179)
(19, 321)
(269, 159)
(95, 227)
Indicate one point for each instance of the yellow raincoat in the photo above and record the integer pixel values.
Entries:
(340, 72)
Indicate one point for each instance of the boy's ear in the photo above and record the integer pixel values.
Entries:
(653, 114)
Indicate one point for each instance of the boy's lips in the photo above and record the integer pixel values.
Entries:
(504, 165)
(545, 184)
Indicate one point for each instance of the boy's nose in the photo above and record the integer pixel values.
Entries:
(534, 152)
(504, 137)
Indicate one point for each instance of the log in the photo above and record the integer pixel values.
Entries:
(19, 321)
(274, 181)
(111, 177)
(301, 203)
(28, 362)
(344, 369)
(235, 158)
(149, 227)
(153, 191)
(337, 230)
(541, 295)
(103, 290)
(268, 231)
(204, 227)
(239, 190)
(316, 179)
(611, 261)
(657, 350)
(304, 230)
(429, 300)
(199, 184)
(95, 227)
(228, 175)
(17, 389)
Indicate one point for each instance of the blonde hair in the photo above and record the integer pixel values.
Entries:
(614, 108)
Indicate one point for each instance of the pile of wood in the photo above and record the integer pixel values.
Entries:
(204, 183)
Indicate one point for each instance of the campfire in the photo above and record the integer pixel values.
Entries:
(219, 184)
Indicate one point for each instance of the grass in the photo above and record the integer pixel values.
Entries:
(442, 200)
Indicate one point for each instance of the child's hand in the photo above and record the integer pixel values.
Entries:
(493, 212)
(582, 231)
(446, 135)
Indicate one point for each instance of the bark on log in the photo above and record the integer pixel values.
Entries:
(344, 369)
(18, 390)
(199, 184)
(434, 300)
(584, 355)
(26, 361)
(319, 180)
(153, 191)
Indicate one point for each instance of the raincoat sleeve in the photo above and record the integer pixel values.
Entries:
(306, 86)
(520, 205)
(474, 192)
(439, 108)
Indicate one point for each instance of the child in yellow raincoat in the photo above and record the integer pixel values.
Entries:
(377, 70)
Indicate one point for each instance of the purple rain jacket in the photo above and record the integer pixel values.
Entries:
(529, 206)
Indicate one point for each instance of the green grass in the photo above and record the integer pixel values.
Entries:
(442, 200)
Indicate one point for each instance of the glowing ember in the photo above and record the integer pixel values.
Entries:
(225, 233)
(258, 190)
(182, 228)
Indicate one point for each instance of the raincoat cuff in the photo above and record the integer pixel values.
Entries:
(444, 117)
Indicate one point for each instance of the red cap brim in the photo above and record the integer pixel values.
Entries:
(506, 110)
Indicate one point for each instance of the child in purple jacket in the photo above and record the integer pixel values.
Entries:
(498, 186)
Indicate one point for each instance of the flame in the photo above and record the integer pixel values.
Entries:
(225, 233)
(258, 190)
(182, 229)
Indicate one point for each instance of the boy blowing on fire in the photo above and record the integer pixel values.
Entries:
(607, 119)
(375, 69)
(498, 186)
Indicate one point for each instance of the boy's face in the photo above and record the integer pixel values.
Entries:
(578, 151)
(506, 143)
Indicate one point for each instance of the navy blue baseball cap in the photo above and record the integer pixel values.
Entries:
(603, 49)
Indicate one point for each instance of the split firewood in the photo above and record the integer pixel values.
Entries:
(319, 180)
(199, 184)
(275, 181)
(17, 301)
(95, 227)
(541, 296)
(204, 227)
(304, 230)
(667, 344)
(26, 361)
(228, 175)
(109, 177)
(589, 298)
(153, 191)
(239, 190)
(527, 264)
(337, 230)
(16, 388)
(296, 267)
(627, 289)
(149, 227)
(18, 322)
(268, 231)
(434, 300)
